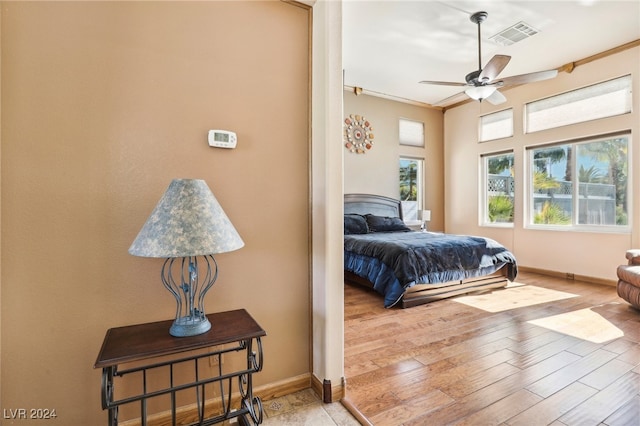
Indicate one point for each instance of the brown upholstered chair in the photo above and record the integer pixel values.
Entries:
(629, 279)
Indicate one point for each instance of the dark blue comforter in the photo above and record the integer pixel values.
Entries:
(394, 261)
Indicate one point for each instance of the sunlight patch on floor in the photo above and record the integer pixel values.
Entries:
(512, 297)
(583, 324)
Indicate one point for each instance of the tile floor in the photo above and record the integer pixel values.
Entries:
(305, 408)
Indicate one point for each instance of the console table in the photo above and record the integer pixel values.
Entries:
(142, 344)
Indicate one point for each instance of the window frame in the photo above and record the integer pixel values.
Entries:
(420, 187)
(575, 226)
(484, 189)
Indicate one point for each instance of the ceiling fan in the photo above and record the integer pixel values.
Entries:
(483, 83)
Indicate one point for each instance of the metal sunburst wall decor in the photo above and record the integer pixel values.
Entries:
(358, 134)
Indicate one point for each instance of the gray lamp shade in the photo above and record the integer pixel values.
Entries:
(188, 221)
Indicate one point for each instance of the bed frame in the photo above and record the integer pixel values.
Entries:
(419, 294)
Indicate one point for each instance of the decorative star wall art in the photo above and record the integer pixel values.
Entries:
(358, 134)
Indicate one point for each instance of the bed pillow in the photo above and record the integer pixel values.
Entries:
(385, 224)
(355, 224)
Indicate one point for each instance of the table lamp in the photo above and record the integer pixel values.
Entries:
(187, 227)
(425, 216)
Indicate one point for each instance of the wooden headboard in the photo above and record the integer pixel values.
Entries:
(373, 204)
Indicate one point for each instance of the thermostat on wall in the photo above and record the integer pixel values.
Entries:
(222, 139)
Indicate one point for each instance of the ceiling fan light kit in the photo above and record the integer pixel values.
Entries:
(483, 83)
(478, 93)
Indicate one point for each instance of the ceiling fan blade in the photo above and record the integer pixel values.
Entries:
(443, 83)
(458, 97)
(493, 68)
(496, 98)
(527, 78)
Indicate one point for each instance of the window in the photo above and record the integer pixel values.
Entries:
(606, 99)
(411, 187)
(496, 125)
(411, 132)
(498, 188)
(582, 184)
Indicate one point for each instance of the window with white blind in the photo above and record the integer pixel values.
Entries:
(606, 99)
(496, 125)
(411, 132)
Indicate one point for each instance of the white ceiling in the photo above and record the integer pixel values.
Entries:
(389, 46)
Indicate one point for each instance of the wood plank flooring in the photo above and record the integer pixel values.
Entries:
(449, 363)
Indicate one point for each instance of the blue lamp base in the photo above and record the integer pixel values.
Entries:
(189, 282)
(188, 326)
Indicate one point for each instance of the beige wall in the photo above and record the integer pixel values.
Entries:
(376, 172)
(581, 253)
(103, 104)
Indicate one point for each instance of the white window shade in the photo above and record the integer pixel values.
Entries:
(411, 132)
(606, 99)
(496, 125)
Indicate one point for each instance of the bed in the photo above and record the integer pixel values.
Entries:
(409, 267)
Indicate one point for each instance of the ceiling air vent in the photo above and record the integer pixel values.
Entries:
(514, 34)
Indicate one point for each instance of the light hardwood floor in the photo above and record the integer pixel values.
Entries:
(453, 363)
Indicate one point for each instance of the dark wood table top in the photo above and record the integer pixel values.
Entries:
(141, 341)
